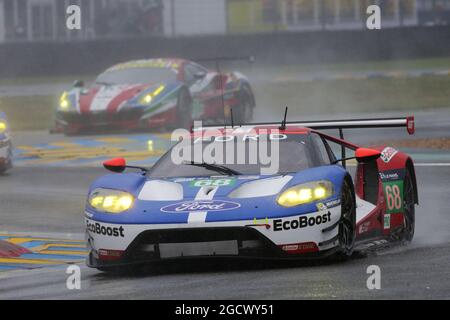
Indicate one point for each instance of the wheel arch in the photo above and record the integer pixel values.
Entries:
(345, 250)
(246, 86)
(347, 177)
(410, 167)
(399, 160)
(184, 88)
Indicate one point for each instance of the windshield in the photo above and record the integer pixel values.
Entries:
(244, 157)
(137, 76)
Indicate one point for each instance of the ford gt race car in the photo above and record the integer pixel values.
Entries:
(5, 144)
(154, 93)
(309, 207)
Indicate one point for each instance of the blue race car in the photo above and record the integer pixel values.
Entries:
(309, 207)
(5, 144)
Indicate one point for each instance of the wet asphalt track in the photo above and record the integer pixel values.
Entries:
(51, 200)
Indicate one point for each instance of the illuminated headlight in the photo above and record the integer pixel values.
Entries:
(64, 102)
(3, 126)
(305, 193)
(148, 98)
(110, 201)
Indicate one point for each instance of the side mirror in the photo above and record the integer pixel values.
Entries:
(78, 84)
(117, 165)
(364, 155)
(200, 75)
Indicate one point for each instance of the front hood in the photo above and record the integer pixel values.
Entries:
(108, 98)
(220, 198)
(244, 186)
(114, 98)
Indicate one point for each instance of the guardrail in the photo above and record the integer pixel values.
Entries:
(90, 57)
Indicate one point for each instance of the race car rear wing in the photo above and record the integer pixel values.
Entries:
(407, 122)
(250, 59)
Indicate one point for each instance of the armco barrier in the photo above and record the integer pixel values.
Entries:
(90, 57)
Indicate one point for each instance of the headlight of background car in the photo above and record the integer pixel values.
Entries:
(64, 102)
(3, 126)
(148, 98)
(111, 201)
(305, 193)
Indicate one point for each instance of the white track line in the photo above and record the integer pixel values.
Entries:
(433, 164)
(421, 164)
(52, 235)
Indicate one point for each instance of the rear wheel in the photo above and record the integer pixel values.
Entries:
(8, 163)
(184, 110)
(409, 209)
(244, 112)
(347, 224)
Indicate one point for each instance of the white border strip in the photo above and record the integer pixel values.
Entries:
(422, 164)
(432, 164)
(200, 216)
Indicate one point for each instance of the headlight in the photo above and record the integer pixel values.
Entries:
(148, 98)
(305, 193)
(111, 201)
(3, 126)
(64, 102)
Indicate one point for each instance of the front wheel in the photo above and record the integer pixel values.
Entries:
(8, 164)
(347, 224)
(184, 110)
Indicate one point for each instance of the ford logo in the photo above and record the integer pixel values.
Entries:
(200, 205)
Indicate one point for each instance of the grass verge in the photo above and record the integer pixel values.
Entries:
(346, 96)
(280, 68)
(29, 113)
(442, 143)
(303, 98)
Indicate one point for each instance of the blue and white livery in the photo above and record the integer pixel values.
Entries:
(310, 207)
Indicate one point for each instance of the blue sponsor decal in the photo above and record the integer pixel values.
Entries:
(200, 205)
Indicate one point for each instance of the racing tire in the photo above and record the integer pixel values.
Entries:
(3, 169)
(184, 110)
(244, 113)
(70, 132)
(407, 233)
(347, 224)
(8, 165)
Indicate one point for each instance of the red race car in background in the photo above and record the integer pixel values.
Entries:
(154, 93)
